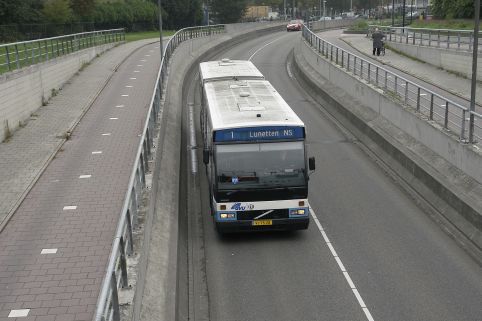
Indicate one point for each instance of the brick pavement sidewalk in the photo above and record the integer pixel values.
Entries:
(448, 81)
(27, 153)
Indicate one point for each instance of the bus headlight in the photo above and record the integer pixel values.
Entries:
(227, 216)
(297, 212)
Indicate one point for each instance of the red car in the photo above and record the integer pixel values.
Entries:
(294, 25)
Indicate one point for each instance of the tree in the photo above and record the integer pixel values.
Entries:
(182, 13)
(20, 12)
(228, 11)
(83, 8)
(57, 11)
(453, 8)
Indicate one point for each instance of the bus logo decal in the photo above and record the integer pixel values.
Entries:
(242, 207)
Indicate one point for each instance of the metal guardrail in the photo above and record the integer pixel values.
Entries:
(20, 54)
(116, 273)
(439, 38)
(451, 115)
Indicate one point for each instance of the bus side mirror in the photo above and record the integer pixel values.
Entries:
(205, 156)
(311, 163)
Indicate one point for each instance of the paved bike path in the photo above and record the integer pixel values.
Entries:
(56, 245)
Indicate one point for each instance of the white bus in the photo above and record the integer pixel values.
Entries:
(254, 151)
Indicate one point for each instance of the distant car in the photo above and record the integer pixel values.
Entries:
(324, 18)
(294, 25)
(338, 18)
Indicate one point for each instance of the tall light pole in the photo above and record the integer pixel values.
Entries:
(474, 70)
(320, 8)
(160, 28)
(284, 7)
(393, 13)
(324, 8)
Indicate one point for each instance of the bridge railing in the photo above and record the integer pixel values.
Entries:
(451, 115)
(116, 276)
(21, 54)
(439, 38)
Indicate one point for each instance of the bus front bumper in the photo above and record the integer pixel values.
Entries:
(277, 225)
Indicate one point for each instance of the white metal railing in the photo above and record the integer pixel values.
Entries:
(439, 38)
(20, 54)
(116, 273)
(451, 115)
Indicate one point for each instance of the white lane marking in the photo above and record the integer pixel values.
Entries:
(119, 106)
(266, 45)
(85, 176)
(423, 94)
(97, 152)
(113, 118)
(359, 298)
(133, 78)
(22, 313)
(125, 95)
(288, 69)
(48, 251)
(348, 279)
(342, 267)
(140, 65)
(147, 55)
(129, 86)
(192, 139)
(136, 71)
(106, 134)
(143, 60)
(70, 207)
(443, 105)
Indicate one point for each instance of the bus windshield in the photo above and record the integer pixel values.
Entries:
(260, 166)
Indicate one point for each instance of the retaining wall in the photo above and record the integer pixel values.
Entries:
(458, 61)
(23, 91)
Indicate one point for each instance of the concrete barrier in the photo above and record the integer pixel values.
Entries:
(457, 61)
(415, 149)
(23, 91)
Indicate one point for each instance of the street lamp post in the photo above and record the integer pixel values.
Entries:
(393, 13)
(160, 28)
(474, 71)
(284, 6)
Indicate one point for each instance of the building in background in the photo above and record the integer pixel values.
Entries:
(257, 12)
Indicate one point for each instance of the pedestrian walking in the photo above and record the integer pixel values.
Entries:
(377, 38)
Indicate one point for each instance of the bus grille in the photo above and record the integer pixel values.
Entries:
(250, 215)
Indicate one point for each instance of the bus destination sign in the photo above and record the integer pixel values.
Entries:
(259, 134)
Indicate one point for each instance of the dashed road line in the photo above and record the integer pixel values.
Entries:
(48, 251)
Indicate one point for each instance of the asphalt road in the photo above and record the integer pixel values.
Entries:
(379, 256)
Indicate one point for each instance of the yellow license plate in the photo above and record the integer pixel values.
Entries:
(263, 222)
